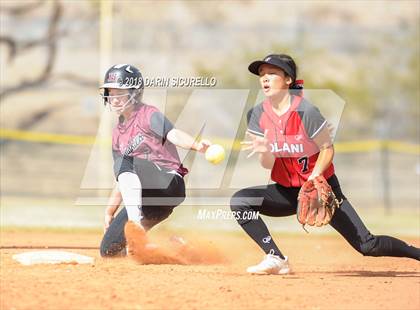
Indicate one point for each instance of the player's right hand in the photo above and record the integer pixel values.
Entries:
(202, 145)
(256, 144)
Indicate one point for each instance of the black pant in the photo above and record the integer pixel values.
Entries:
(280, 201)
(162, 191)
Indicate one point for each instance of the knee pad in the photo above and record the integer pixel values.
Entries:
(176, 201)
(370, 247)
(153, 215)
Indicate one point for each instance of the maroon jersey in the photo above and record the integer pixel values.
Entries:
(291, 139)
(143, 136)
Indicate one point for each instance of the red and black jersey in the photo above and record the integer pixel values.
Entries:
(291, 139)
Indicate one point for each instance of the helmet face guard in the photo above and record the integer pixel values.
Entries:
(123, 76)
(121, 108)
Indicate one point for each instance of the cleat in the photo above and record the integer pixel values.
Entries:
(271, 264)
(145, 252)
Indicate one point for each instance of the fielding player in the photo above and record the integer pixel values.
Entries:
(293, 141)
(146, 163)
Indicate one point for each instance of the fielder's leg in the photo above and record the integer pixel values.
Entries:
(247, 201)
(271, 200)
(350, 226)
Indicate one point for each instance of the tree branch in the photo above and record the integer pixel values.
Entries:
(12, 46)
(22, 9)
(51, 55)
(76, 79)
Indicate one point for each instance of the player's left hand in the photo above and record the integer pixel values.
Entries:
(316, 203)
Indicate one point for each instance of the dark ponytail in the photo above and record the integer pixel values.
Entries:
(296, 88)
(292, 70)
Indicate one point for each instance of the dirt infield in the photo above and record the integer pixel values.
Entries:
(322, 266)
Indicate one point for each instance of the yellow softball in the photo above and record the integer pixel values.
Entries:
(215, 154)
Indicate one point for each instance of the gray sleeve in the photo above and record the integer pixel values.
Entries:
(253, 119)
(122, 163)
(160, 125)
(118, 158)
(312, 119)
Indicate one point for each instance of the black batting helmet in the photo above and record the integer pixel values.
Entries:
(122, 76)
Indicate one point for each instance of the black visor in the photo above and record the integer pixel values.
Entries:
(274, 60)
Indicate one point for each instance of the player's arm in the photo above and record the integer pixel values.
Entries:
(326, 153)
(114, 203)
(115, 198)
(320, 131)
(163, 128)
(267, 160)
(185, 141)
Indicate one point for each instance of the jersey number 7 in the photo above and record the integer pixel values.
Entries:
(304, 162)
